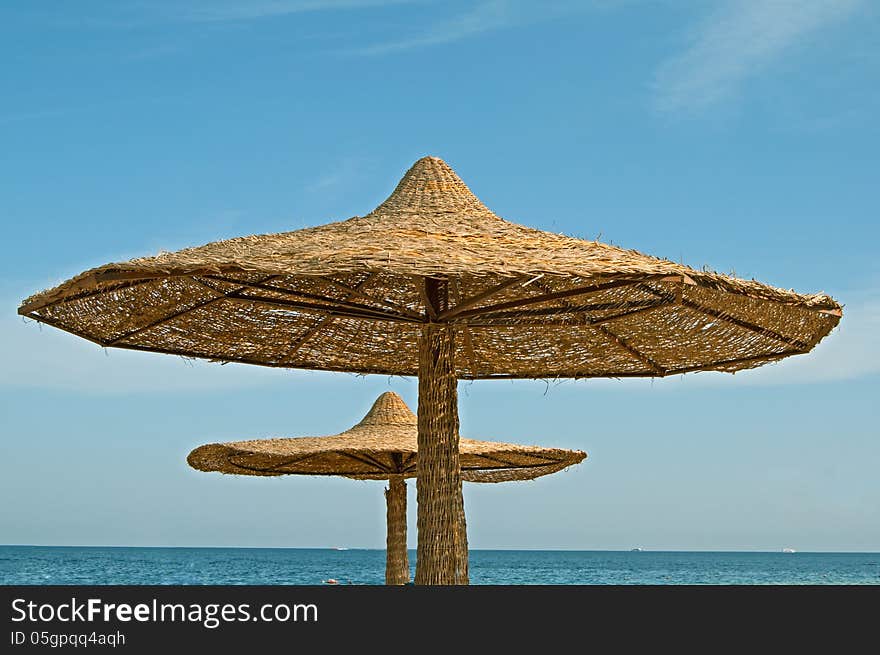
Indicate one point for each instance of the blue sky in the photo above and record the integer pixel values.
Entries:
(740, 135)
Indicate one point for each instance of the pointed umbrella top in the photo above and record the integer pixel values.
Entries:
(431, 187)
(389, 409)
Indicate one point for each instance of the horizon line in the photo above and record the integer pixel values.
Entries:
(561, 550)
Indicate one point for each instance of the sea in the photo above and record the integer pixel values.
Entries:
(51, 565)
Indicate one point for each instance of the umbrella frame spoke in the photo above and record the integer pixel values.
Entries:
(733, 320)
(334, 302)
(643, 358)
(320, 324)
(82, 295)
(178, 314)
(475, 300)
(363, 458)
(356, 290)
(617, 340)
(330, 309)
(555, 295)
(573, 317)
(269, 469)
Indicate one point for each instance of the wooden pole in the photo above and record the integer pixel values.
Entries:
(461, 545)
(442, 538)
(396, 558)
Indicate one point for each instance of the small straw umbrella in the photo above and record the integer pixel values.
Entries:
(432, 283)
(383, 446)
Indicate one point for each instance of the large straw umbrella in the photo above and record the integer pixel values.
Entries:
(432, 283)
(383, 446)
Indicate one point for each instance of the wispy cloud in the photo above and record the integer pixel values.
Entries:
(89, 108)
(223, 11)
(343, 171)
(117, 15)
(483, 17)
(738, 40)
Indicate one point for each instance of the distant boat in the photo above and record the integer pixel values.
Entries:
(635, 550)
(339, 548)
(789, 550)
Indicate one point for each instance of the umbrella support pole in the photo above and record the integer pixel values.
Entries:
(396, 558)
(442, 539)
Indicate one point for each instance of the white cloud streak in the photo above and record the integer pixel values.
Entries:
(483, 17)
(226, 11)
(739, 40)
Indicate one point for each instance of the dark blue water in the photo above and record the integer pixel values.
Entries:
(99, 565)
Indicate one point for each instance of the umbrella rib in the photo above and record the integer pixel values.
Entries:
(408, 462)
(629, 374)
(469, 348)
(646, 308)
(305, 336)
(34, 307)
(767, 332)
(546, 458)
(644, 359)
(738, 360)
(512, 466)
(430, 310)
(178, 314)
(574, 319)
(270, 469)
(61, 326)
(721, 316)
(366, 459)
(568, 322)
(323, 321)
(324, 309)
(323, 473)
(356, 290)
(474, 300)
(574, 309)
(493, 459)
(310, 296)
(547, 297)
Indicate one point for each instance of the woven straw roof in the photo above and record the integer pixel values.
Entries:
(351, 296)
(382, 445)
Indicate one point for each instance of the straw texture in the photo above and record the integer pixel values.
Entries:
(382, 445)
(397, 558)
(351, 296)
(439, 486)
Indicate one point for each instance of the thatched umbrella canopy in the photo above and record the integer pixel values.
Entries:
(383, 446)
(432, 283)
